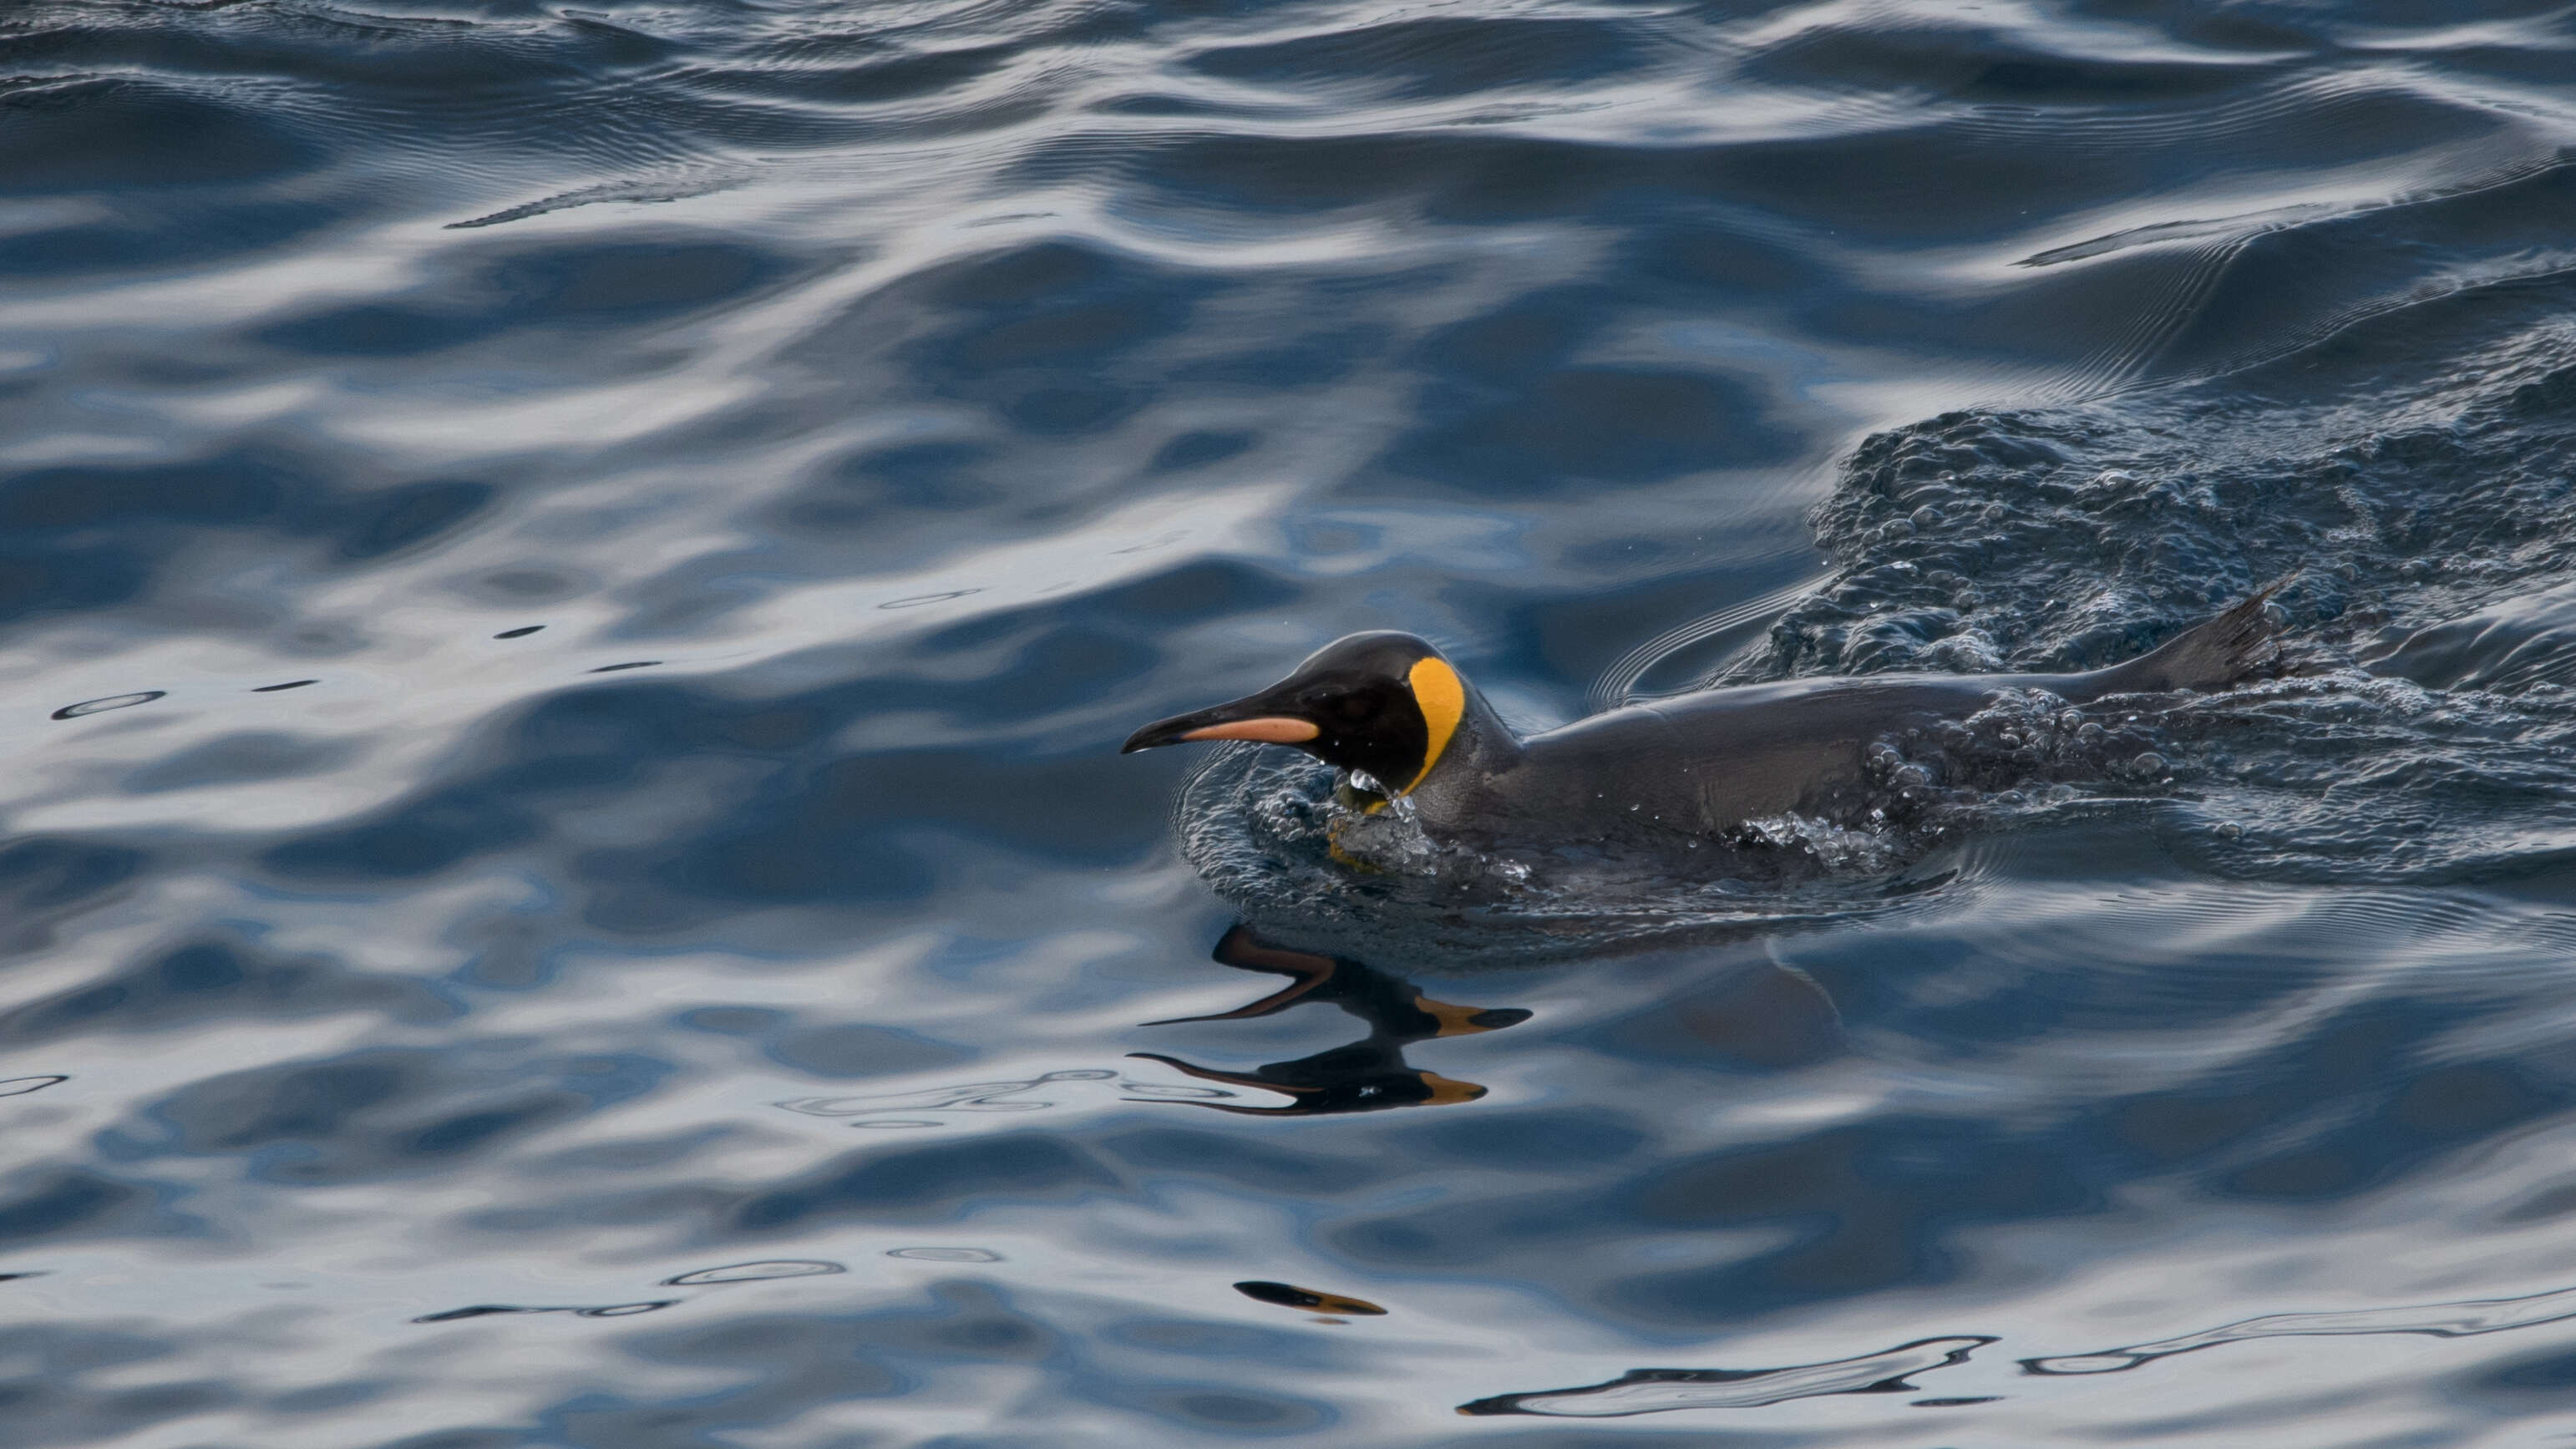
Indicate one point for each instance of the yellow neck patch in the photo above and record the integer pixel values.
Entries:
(1443, 698)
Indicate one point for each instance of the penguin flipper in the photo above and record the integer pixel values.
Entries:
(2239, 644)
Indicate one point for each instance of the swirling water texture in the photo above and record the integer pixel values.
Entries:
(906, 399)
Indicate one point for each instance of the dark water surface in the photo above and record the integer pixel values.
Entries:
(573, 578)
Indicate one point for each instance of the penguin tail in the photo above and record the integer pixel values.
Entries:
(2240, 644)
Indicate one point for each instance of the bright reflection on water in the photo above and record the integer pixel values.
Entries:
(573, 578)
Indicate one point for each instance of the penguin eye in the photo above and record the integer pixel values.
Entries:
(1355, 707)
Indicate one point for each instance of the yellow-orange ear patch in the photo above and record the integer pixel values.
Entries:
(1443, 700)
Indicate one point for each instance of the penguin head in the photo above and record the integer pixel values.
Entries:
(1382, 703)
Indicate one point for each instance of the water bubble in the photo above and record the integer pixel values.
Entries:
(757, 1272)
(918, 600)
(969, 1097)
(605, 1310)
(113, 701)
(479, 1310)
(1175, 1093)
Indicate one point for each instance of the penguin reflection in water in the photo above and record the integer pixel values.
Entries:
(1387, 707)
(1771, 1018)
(1364, 1076)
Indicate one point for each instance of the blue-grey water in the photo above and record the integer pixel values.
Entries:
(572, 578)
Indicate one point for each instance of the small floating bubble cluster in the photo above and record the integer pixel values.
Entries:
(945, 1255)
(761, 1271)
(873, 1110)
(108, 703)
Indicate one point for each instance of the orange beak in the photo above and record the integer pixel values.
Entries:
(1268, 730)
(1244, 719)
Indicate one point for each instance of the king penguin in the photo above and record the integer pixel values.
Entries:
(1388, 707)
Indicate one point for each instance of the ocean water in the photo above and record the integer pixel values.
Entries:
(573, 576)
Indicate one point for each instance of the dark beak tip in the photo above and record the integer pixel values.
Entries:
(1179, 728)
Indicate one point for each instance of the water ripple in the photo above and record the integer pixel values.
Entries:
(572, 574)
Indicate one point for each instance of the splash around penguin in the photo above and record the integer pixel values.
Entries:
(1401, 722)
